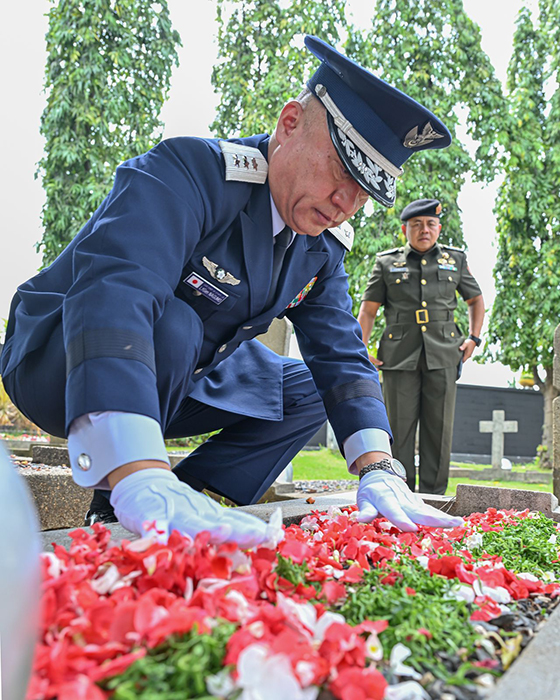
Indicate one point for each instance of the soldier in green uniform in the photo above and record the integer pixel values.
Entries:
(422, 349)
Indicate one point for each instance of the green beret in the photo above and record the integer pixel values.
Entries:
(421, 207)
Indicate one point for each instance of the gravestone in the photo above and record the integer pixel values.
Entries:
(498, 426)
(278, 335)
(556, 417)
(332, 442)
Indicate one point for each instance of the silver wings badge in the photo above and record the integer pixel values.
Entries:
(413, 139)
(218, 273)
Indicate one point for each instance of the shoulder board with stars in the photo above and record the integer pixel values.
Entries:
(243, 163)
(388, 252)
(344, 233)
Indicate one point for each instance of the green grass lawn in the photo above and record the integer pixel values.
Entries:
(324, 464)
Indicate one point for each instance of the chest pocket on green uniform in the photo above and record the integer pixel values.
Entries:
(448, 279)
(395, 279)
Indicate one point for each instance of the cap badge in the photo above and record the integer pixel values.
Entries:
(414, 140)
(218, 273)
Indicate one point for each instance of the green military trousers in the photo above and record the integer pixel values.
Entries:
(425, 396)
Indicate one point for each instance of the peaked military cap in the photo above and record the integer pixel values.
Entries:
(421, 207)
(374, 127)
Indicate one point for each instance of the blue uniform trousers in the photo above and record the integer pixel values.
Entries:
(240, 462)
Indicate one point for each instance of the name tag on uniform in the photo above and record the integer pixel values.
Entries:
(399, 269)
(206, 288)
(447, 266)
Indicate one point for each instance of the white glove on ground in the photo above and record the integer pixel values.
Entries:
(381, 493)
(157, 495)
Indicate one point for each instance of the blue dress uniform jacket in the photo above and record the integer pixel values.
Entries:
(169, 209)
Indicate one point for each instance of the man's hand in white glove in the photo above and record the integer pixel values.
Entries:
(381, 493)
(157, 495)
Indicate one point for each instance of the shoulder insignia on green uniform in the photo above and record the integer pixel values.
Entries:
(344, 233)
(243, 163)
(388, 252)
(452, 247)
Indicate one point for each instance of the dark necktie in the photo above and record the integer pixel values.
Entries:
(281, 243)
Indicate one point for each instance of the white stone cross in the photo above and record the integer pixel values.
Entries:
(497, 426)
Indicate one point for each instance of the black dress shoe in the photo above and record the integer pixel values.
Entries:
(100, 510)
(103, 516)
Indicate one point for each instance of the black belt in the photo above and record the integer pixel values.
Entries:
(421, 316)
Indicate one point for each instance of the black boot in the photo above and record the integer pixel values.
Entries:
(100, 510)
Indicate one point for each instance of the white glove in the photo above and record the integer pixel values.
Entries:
(381, 493)
(157, 495)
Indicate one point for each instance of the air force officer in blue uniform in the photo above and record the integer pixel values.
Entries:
(142, 328)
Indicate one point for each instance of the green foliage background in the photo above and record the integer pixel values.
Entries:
(527, 278)
(107, 76)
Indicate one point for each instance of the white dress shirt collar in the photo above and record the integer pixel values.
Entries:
(277, 222)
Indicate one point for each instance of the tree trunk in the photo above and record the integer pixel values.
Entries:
(549, 393)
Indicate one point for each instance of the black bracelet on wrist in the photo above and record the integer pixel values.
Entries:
(477, 341)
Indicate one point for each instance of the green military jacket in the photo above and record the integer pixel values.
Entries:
(419, 295)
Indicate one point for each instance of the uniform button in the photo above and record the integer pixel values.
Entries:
(199, 370)
(452, 334)
(247, 328)
(398, 281)
(84, 462)
(424, 304)
(424, 261)
(423, 329)
(423, 282)
(450, 278)
(390, 335)
(222, 347)
(196, 293)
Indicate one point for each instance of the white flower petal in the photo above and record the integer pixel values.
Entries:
(221, 684)
(398, 654)
(408, 690)
(323, 624)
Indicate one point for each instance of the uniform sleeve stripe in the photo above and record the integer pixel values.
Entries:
(352, 390)
(109, 342)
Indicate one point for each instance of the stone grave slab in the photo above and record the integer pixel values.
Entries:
(21, 448)
(530, 476)
(59, 501)
(534, 675)
(472, 498)
(55, 455)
